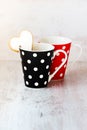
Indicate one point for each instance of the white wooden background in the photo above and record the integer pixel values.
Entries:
(42, 18)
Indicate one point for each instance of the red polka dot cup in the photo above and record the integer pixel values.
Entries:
(59, 63)
(36, 64)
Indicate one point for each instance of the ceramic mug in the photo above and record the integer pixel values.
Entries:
(59, 63)
(36, 64)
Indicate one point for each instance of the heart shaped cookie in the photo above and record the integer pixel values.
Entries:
(24, 41)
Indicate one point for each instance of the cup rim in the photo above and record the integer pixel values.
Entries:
(47, 47)
(56, 40)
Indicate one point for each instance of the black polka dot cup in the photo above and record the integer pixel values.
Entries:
(36, 64)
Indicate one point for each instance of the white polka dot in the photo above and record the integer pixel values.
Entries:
(47, 67)
(65, 66)
(30, 76)
(48, 54)
(62, 59)
(64, 47)
(23, 53)
(29, 61)
(42, 61)
(41, 76)
(25, 68)
(27, 83)
(45, 82)
(35, 55)
(48, 73)
(35, 69)
(61, 74)
(36, 83)
(68, 52)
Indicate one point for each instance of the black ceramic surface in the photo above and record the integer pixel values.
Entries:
(36, 67)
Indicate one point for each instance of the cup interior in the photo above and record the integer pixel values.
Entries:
(56, 40)
(39, 47)
(42, 47)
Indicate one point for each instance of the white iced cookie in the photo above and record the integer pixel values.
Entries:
(25, 41)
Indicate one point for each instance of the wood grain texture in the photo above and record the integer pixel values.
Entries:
(60, 106)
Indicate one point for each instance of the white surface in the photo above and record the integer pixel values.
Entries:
(60, 106)
(42, 18)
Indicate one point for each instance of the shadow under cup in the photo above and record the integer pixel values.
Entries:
(59, 43)
(36, 65)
